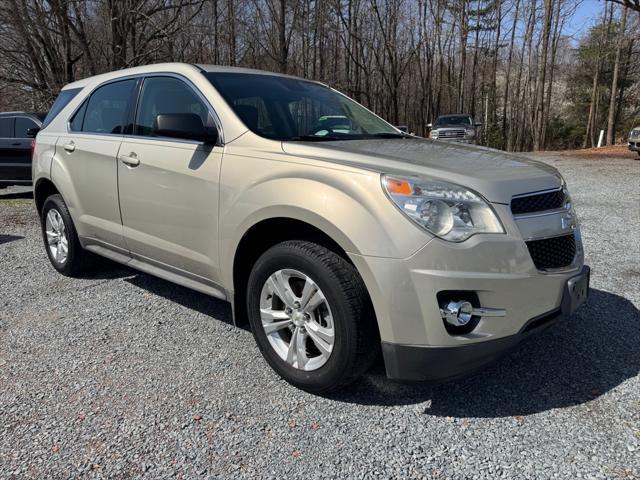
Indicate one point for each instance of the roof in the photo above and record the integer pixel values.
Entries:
(174, 67)
(38, 115)
(249, 71)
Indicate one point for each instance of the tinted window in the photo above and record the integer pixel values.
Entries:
(6, 127)
(168, 95)
(453, 120)
(22, 125)
(76, 122)
(63, 99)
(291, 109)
(107, 107)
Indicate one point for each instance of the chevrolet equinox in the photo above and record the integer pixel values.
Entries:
(334, 233)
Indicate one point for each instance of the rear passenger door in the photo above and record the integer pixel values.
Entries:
(88, 152)
(8, 163)
(169, 186)
(22, 147)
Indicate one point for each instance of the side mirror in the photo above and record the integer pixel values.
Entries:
(429, 125)
(477, 124)
(403, 128)
(32, 132)
(186, 126)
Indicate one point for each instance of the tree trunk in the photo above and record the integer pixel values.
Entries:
(614, 82)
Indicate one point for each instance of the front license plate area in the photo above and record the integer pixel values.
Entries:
(576, 292)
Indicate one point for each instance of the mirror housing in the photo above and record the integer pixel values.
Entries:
(402, 128)
(477, 124)
(429, 125)
(32, 132)
(185, 126)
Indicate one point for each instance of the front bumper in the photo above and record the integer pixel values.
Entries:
(634, 146)
(458, 140)
(436, 363)
(497, 268)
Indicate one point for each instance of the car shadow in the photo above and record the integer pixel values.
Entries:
(568, 364)
(200, 302)
(9, 238)
(26, 194)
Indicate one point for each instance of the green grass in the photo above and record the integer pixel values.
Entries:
(14, 202)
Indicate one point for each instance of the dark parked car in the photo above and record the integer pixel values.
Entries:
(17, 131)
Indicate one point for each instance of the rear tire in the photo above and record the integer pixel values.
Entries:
(323, 335)
(60, 238)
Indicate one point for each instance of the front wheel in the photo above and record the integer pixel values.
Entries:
(311, 316)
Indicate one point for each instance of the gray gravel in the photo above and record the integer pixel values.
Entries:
(120, 374)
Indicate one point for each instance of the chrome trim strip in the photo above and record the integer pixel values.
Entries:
(541, 213)
(539, 192)
(566, 233)
(488, 312)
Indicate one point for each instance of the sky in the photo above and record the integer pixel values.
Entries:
(586, 14)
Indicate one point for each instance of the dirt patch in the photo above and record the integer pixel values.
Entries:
(614, 151)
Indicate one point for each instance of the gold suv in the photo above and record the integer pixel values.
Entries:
(332, 232)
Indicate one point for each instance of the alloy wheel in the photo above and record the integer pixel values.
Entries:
(57, 240)
(297, 319)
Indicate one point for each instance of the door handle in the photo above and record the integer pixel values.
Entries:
(130, 160)
(16, 144)
(69, 147)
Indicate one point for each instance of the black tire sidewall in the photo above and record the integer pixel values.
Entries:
(340, 363)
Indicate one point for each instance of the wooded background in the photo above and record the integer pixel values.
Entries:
(509, 63)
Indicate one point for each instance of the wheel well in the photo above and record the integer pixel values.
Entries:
(44, 189)
(258, 239)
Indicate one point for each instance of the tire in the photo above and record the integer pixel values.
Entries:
(72, 261)
(340, 312)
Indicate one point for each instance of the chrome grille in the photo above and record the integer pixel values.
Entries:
(451, 133)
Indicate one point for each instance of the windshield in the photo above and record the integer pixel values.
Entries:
(284, 108)
(453, 120)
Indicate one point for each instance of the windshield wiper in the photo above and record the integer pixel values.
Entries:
(391, 135)
(319, 138)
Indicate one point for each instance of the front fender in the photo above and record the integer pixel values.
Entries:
(348, 205)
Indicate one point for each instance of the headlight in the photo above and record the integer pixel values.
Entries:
(434, 134)
(470, 133)
(446, 210)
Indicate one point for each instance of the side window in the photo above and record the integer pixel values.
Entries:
(168, 95)
(6, 127)
(76, 122)
(106, 109)
(22, 125)
(62, 101)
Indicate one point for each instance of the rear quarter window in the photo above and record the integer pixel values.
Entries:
(62, 101)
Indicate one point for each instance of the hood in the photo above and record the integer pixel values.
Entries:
(496, 175)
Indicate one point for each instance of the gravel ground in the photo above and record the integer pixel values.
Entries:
(120, 374)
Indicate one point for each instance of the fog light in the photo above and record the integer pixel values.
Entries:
(457, 314)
